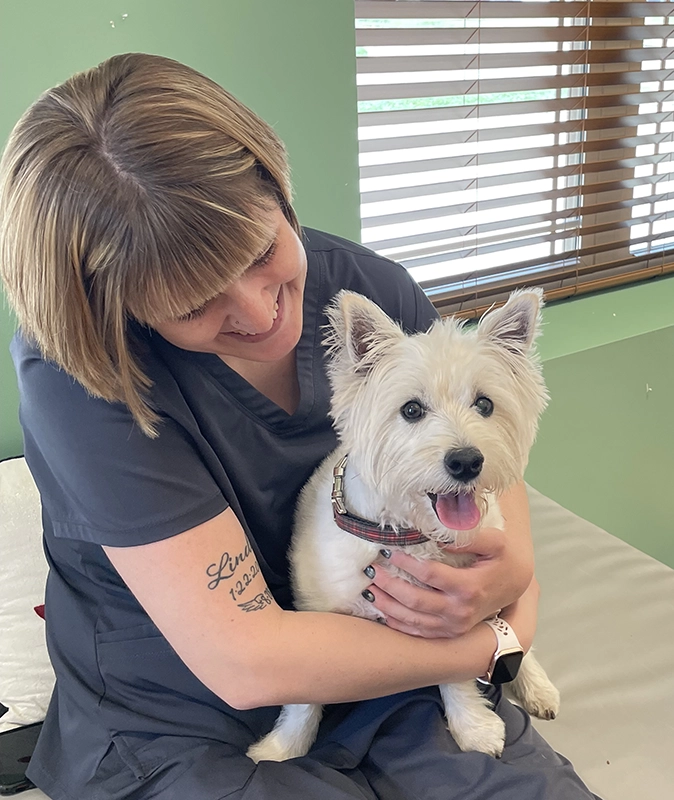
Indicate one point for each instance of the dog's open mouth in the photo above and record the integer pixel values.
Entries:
(456, 510)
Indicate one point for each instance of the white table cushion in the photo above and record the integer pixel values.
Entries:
(606, 638)
(26, 676)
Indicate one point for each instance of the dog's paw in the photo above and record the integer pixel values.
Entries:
(543, 701)
(273, 748)
(485, 734)
(533, 689)
(471, 720)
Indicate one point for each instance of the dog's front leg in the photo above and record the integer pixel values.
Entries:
(534, 690)
(292, 736)
(471, 719)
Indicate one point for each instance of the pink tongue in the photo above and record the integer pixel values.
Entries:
(457, 512)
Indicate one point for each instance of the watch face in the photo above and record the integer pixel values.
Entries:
(506, 668)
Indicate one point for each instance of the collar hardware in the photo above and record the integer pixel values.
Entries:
(363, 528)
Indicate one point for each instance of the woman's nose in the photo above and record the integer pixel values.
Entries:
(250, 308)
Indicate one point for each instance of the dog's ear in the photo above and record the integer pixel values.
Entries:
(359, 330)
(516, 325)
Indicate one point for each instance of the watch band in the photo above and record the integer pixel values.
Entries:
(508, 655)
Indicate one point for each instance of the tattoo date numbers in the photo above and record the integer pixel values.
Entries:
(246, 579)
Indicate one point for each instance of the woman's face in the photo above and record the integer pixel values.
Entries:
(259, 317)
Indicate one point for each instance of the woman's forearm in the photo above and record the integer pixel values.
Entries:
(514, 506)
(317, 657)
(333, 658)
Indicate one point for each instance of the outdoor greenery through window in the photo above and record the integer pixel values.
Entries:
(506, 143)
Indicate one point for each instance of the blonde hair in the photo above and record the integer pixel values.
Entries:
(132, 191)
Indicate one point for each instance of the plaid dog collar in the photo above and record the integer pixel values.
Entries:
(363, 528)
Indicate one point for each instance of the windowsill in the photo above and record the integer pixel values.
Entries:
(581, 323)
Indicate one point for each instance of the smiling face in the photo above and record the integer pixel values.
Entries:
(259, 316)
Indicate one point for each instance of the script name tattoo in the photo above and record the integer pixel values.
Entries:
(226, 568)
(259, 602)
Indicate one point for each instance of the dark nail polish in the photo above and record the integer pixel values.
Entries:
(367, 594)
(369, 571)
(386, 553)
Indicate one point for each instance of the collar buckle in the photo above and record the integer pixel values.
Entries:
(337, 495)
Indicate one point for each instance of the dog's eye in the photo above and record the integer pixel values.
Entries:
(412, 411)
(484, 405)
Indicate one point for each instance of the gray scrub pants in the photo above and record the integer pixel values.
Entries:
(392, 748)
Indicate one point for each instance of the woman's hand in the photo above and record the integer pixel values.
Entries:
(453, 600)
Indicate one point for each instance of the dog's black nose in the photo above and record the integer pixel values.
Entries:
(464, 464)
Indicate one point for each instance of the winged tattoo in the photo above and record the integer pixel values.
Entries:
(258, 602)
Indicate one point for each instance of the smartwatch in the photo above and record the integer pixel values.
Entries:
(505, 662)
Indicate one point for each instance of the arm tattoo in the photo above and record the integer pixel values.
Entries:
(259, 602)
(228, 566)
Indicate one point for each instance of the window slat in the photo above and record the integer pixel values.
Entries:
(433, 9)
(400, 37)
(620, 54)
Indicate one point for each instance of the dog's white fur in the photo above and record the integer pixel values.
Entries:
(375, 369)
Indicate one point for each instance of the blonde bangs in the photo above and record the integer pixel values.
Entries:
(187, 271)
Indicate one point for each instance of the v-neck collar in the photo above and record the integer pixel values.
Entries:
(245, 395)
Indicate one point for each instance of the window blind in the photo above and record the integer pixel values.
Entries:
(505, 144)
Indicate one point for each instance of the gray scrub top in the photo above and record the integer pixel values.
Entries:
(119, 683)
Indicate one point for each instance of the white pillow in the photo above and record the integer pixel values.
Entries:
(26, 675)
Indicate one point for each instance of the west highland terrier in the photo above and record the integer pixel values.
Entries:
(432, 428)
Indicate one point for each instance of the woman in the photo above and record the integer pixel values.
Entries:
(174, 401)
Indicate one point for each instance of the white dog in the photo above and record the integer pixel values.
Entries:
(435, 426)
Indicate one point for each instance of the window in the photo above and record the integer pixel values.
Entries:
(507, 143)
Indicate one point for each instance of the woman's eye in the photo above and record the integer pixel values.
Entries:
(197, 312)
(412, 411)
(266, 257)
(484, 405)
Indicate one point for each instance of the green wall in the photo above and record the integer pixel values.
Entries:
(292, 61)
(606, 444)
(605, 448)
